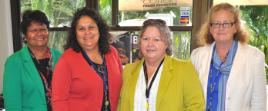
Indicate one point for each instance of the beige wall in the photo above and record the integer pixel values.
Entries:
(6, 46)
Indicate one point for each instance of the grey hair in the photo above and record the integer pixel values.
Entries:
(163, 29)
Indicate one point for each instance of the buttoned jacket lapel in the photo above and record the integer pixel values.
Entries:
(31, 70)
(164, 80)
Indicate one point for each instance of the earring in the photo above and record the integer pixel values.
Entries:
(24, 39)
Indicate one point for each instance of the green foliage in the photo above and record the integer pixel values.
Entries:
(105, 9)
(256, 18)
(59, 12)
(57, 39)
(181, 45)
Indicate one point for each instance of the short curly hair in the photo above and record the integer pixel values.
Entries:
(103, 31)
(30, 16)
(163, 29)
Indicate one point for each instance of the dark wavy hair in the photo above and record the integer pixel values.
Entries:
(30, 16)
(103, 31)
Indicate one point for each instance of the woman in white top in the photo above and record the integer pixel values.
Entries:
(232, 73)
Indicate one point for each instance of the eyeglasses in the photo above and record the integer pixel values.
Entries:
(224, 25)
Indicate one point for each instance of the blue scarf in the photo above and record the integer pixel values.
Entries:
(218, 75)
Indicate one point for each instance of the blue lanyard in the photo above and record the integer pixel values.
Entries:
(101, 70)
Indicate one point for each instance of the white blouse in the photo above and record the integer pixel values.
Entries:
(140, 98)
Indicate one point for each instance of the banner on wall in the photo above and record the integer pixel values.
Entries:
(136, 5)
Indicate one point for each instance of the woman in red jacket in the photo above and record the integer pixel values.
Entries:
(87, 76)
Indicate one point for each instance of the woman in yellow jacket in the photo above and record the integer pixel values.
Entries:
(159, 82)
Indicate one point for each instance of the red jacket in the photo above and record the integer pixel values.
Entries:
(77, 87)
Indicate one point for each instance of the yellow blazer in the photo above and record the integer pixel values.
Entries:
(179, 87)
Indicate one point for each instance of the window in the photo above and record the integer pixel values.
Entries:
(174, 12)
(121, 16)
(128, 16)
(57, 39)
(59, 12)
(128, 42)
(105, 9)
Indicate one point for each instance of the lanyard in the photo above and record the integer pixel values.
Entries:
(101, 70)
(148, 88)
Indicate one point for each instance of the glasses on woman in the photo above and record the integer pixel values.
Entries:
(223, 25)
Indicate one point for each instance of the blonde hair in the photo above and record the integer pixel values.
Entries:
(204, 32)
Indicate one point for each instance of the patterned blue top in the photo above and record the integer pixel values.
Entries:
(225, 69)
